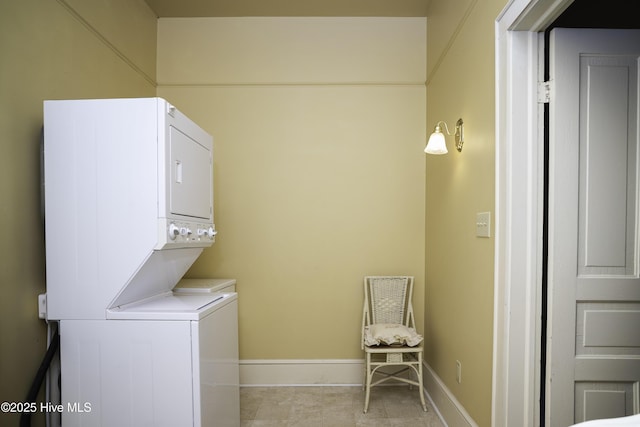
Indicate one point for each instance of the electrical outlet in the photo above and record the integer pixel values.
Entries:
(42, 306)
(458, 372)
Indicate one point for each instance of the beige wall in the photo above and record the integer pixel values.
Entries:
(51, 49)
(459, 265)
(318, 128)
(320, 178)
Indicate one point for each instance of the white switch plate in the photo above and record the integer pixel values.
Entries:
(483, 224)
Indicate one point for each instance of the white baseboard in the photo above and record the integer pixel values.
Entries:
(444, 402)
(301, 372)
(346, 372)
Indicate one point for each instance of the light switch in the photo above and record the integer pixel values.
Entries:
(483, 224)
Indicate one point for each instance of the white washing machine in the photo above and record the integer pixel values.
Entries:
(168, 361)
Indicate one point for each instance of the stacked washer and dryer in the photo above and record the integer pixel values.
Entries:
(128, 209)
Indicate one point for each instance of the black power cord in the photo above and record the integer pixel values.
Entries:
(25, 418)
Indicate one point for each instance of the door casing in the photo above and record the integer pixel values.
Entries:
(519, 210)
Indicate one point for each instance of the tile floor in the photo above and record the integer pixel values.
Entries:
(333, 407)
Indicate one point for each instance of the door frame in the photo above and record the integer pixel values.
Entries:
(519, 210)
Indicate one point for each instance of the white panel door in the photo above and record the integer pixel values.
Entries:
(593, 347)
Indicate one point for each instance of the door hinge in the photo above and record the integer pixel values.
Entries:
(544, 92)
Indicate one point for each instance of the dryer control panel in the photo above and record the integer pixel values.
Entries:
(180, 234)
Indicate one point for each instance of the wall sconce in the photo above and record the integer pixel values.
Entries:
(437, 145)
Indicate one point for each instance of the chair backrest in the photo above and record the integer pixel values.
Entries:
(388, 300)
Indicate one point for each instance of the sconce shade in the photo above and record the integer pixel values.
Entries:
(436, 144)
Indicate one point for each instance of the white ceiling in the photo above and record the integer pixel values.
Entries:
(212, 8)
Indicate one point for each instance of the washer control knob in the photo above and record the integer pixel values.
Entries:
(211, 232)
(184, 231)
(173, 231)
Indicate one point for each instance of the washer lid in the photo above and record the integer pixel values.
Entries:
(205, 285)
(171, 306)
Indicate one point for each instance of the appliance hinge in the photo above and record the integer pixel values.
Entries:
(544, 92)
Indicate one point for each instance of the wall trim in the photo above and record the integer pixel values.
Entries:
(267, 84)
(104, 40)
(519, 211)
(445, 404)
(287, 372)
(452, 39)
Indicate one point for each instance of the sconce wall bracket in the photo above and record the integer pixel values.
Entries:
(459, 135)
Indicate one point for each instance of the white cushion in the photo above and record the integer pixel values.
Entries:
(633, 420)
(389, 333)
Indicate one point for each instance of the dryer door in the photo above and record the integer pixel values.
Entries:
(191, 181)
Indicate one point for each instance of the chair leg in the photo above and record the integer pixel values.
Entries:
(420, 387)
(367, 381)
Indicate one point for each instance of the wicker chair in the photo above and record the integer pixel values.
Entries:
(387, 301)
